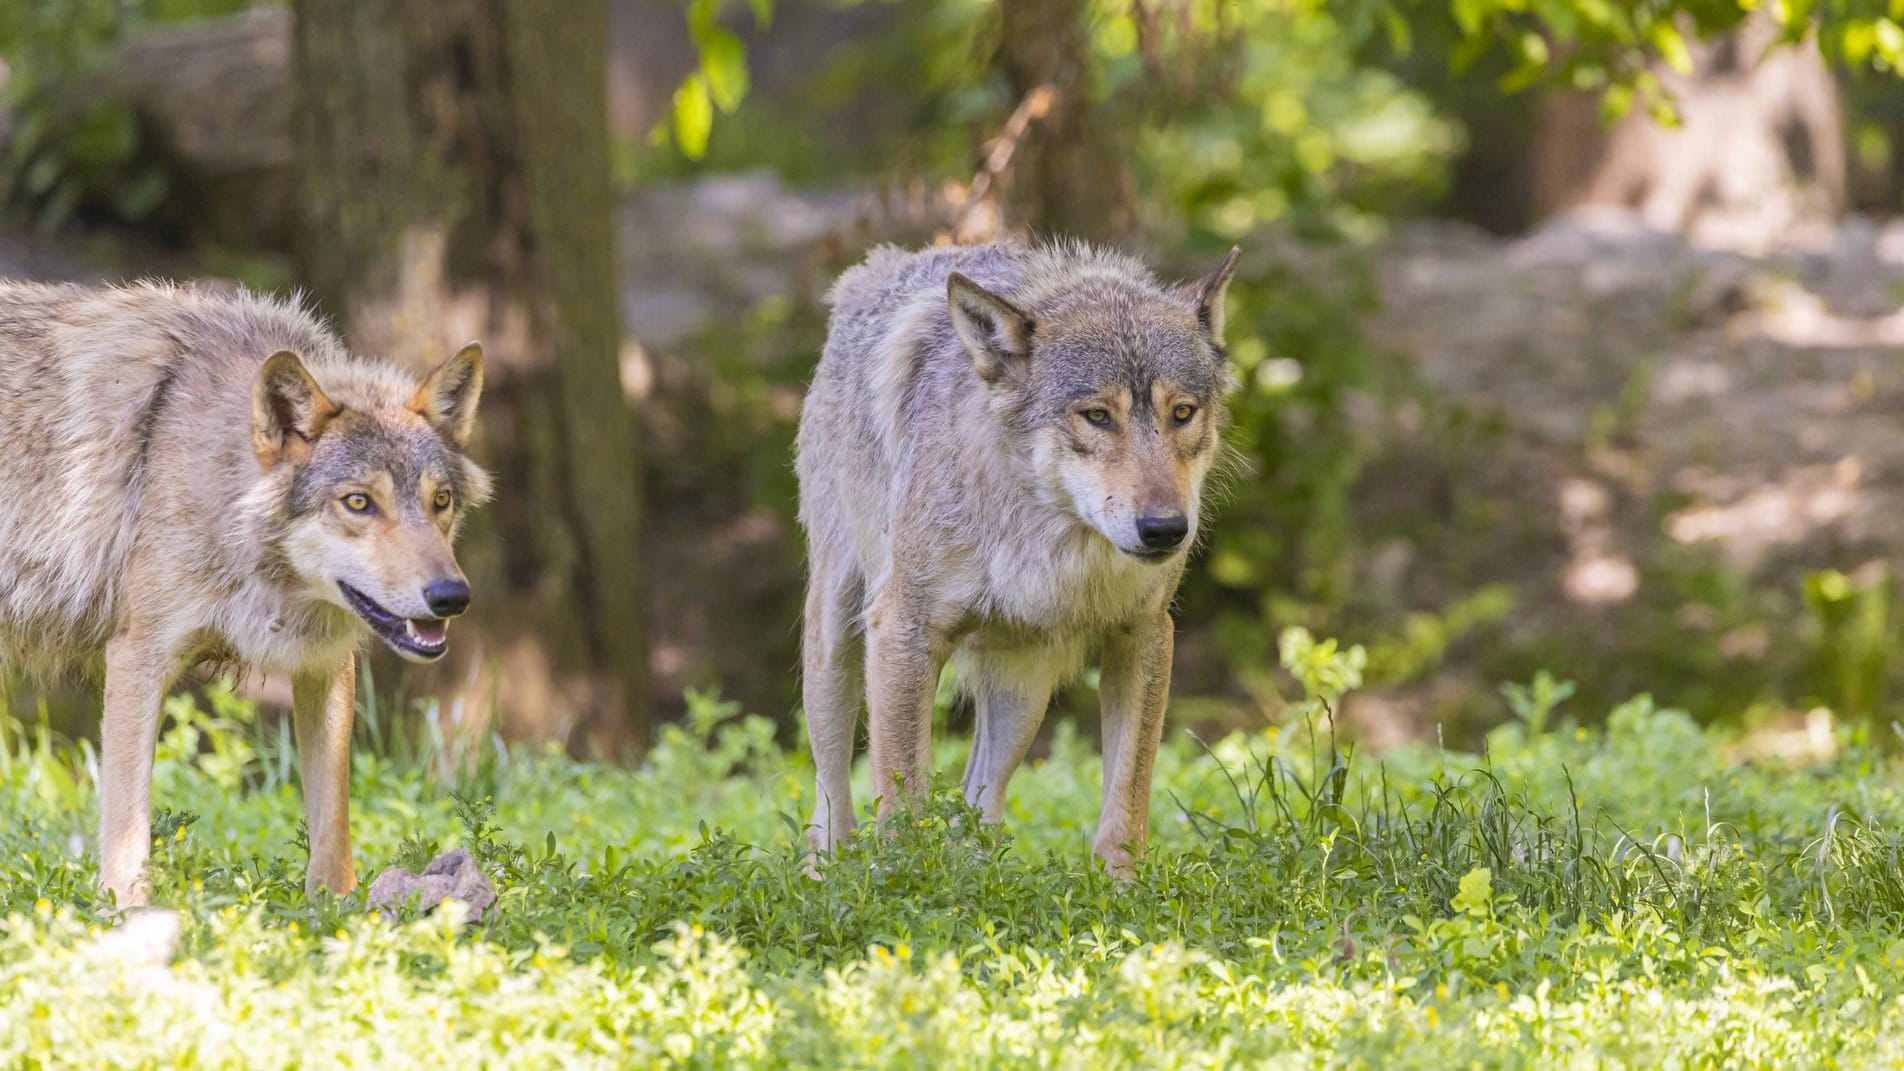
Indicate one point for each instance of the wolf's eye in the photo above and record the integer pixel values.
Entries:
(1098, 417)
(1183, 413)
(443, 498)
(357, 502)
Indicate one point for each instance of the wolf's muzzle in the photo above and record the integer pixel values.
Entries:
(1163, 531)
(417, 639)
(448, 597)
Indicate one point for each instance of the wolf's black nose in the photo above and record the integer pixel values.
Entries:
(447, 598)
(1164, 531)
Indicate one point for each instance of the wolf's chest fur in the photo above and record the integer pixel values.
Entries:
(1047, 602)
(1049, 573)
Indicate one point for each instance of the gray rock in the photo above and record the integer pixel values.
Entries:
(453, 875)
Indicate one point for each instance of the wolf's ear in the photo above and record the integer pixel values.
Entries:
(447, 397)
(995, 332)
(1206, 295)
(288, 410)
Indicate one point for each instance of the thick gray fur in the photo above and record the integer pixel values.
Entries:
(962, 503)
(173, 489)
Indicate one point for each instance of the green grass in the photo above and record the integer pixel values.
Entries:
(1615, 896)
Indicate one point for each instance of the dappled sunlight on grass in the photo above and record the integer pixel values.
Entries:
(1624, 892)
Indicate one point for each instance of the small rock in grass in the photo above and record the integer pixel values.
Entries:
(453, 875)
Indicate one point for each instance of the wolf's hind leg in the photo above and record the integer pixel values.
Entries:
(137, 673)
(1007, 717)
(833, 662)
(322, 712)
(1134, 687)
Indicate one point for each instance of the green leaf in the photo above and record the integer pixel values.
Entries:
(1856, 41)
(1401, 38)
(724, 65)
(693, 117)
(143, 194)
(701, 15)
(1617, 102)
(1889, 37)
(1476, 892)
(1672, 47)
(1471, 15)
(44, 173)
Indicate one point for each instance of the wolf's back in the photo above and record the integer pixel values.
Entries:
(890, 339)
(98, 388)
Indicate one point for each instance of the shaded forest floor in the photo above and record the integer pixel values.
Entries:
(1656, 446)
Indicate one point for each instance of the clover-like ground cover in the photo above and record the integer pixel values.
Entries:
(1623, 895)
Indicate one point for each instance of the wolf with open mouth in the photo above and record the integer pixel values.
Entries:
(191, 474)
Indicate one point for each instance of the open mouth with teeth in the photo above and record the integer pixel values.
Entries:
(420, 639)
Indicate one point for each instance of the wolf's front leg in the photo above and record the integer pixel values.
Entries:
(137, 672)
(1007, 720)
(902, 671)
(1134, 687)
(322, 712)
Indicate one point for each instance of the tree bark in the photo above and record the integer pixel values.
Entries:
(453, 164)
(1069, 177)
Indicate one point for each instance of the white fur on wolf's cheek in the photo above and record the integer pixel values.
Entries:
(322, 559)
(1082, 493)
(1090, 499)
(1102, 510)
(1048, 455)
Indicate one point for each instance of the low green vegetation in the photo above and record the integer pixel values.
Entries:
(1615, 896)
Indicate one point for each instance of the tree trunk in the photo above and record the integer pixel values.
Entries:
(454, 172)
(1069, 177)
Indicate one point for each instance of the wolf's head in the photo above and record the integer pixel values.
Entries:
(377, 485)
(1115, 388)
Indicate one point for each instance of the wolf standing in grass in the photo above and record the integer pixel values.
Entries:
(195, 477)
(1001, 462)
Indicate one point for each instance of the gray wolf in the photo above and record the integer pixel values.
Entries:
(1002, 461)
(199, 477)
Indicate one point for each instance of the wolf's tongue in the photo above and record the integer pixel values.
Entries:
(428, 632)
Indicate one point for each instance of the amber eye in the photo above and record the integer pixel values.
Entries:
(1099, 417)
(357, 502)
(443, 498)
(1183, 413)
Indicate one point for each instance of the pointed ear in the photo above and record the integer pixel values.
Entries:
(995, 332)
(288, 410)
(1206, 295)
(447, 397)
